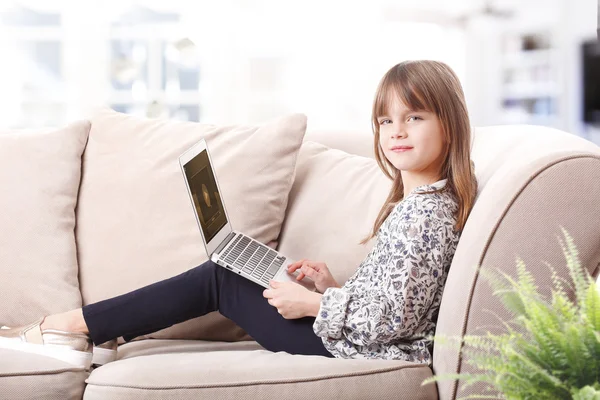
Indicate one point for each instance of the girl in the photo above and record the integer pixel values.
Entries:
(386, 310)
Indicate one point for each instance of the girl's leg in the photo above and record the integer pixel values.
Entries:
(197, 292)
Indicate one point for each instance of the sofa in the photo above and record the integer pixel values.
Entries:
(98, 208)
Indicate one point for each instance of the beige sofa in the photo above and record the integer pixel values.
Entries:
(532, 181)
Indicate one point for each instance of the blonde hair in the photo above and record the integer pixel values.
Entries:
(431, 86)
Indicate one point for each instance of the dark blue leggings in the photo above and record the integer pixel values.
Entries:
(197, 292)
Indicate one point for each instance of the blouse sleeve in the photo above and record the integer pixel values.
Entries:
(393, 308)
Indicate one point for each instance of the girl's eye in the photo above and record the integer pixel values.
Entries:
(414, 116)
(384, 121)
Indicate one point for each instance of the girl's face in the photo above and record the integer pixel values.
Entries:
(421, 132)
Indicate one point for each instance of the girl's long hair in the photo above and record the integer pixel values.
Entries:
(431, 86)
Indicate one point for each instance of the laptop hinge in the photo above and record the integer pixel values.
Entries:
(225, 242)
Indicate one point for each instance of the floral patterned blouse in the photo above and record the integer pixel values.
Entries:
(389, 306)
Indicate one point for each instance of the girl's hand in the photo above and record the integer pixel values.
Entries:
(317, 271)
(292, 300)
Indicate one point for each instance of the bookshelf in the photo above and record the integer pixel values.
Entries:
(530, 89)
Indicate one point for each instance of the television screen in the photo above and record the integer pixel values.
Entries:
(591, 82)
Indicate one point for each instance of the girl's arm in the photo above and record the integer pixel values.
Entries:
(395, 308)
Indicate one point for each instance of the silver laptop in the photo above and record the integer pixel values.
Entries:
(228, 248)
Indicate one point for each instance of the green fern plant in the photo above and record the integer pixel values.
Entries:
(551, 349)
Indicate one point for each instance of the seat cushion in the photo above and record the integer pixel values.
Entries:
(161, 346)
(33, 376)
(40, 174)
(135, 222)
(226, 371)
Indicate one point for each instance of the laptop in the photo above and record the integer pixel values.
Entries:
(226, 247)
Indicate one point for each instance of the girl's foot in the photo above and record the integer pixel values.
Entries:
(73, 321)
(71, 347)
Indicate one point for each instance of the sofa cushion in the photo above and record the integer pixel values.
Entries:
(135, 222)
(33, 376)
(40, 174)
(216, 372)
(334, 201)
(168, 346)
(352, 142)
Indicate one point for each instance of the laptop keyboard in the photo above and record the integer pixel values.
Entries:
(254, 258)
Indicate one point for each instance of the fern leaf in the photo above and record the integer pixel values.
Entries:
(577, 274)
(592, 306)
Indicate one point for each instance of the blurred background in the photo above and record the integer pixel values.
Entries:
(246, 61)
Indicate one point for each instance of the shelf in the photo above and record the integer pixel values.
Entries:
(524, 90)
(529, 58)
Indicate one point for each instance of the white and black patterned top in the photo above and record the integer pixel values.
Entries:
(390, 305)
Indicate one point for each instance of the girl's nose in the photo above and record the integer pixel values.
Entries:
(398, 133)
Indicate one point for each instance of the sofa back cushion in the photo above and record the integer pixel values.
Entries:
(352, 142)
(334, 201)
(135, 221)
(40, 174)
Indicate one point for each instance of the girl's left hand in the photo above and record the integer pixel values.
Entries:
(292, 300)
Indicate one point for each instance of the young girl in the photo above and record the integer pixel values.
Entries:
(386, 310)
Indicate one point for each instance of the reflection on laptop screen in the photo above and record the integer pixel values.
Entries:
(207, 199)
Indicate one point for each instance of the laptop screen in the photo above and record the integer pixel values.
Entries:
(207, 199)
